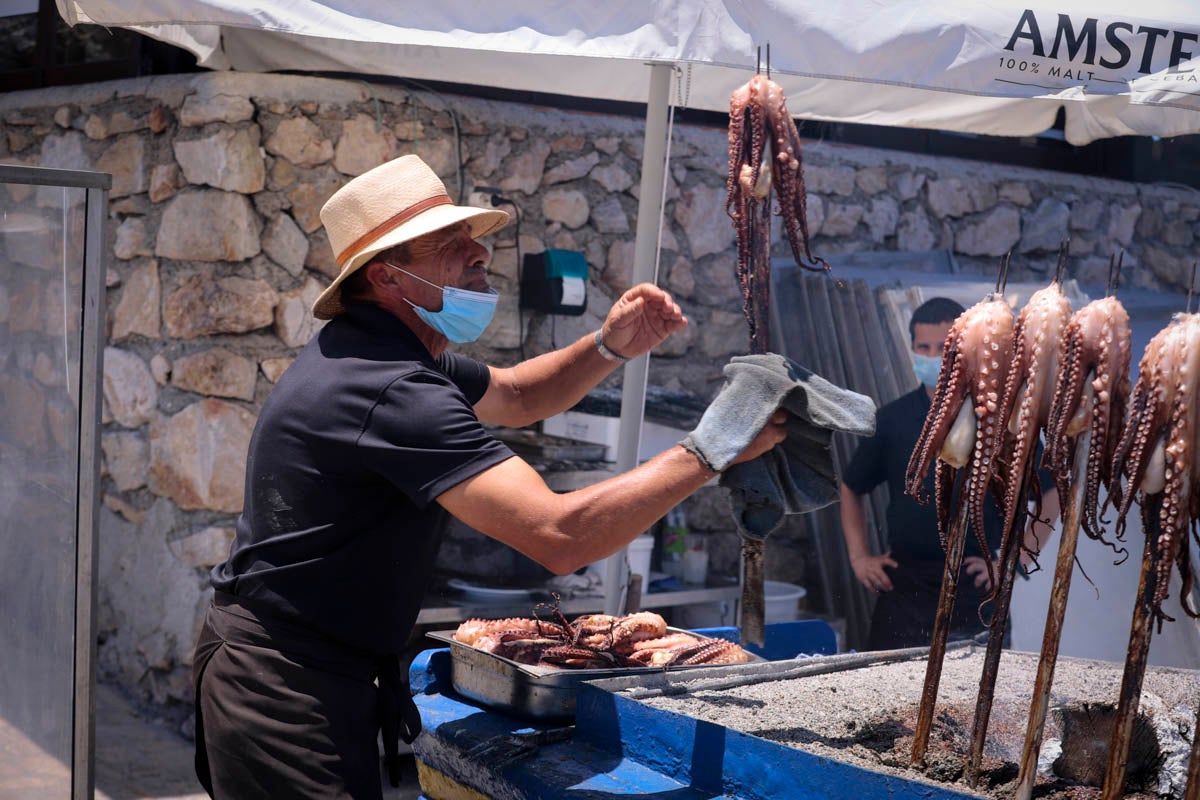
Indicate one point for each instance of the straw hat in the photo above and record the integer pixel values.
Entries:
(386, 206)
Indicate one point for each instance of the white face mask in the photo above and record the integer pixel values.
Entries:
(465, 315)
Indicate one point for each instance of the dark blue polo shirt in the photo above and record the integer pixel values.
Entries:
(883, 458)
(361, 434)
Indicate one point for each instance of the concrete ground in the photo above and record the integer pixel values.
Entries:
(136, 759)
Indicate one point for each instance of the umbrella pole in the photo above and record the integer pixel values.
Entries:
(941, 627)
(637, 371)
(1009, 558)
(1064, 567)
(1135, 661)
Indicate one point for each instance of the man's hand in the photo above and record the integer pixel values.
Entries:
(976, 567)
(640, 320)
(871, 573)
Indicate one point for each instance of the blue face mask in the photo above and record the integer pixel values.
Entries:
(464, 315)
(927, 369)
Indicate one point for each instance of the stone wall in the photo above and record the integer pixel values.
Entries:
(217, 254)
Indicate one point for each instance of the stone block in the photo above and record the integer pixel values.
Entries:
(871, 180)
(841, 219)
(991, 234)
(198, 456)
(301, 142)
(203, 305)
(129, 388)
(609, 217)
(1086, 214)
(523, 172)
(1016, 193)
(881, 218)
(138, 311)
(307, 198)
(229, 159)
(294, 322)
(724, 334)
(285, 244)
(208, 225)
(201, 109)
(165, 181)
(126, 160)
(618, 269)
(611, 177)
(700, 212)
(64, 151)
(681, 279)
(915, 233)
(160, 368)
(949, 197)
(24, 420)
(568, 206)
(131, 239)
(127, 456)
(362, 147)
(829, 180)
(572, 169)
(494, 152)
(320, 256)
(217, 372)
(908, 185)
(273, 368)
(1045, 227)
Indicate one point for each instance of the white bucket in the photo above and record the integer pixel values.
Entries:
(782, 601)
(639, 557)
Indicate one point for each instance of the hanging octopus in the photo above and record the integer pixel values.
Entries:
(1091, 392)
(1157, 452)
(758, 120)
(967, 422)
(1029, 390)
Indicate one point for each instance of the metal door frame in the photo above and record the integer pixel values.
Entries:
(91, 368)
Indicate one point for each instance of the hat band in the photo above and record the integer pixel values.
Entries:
(390, 224)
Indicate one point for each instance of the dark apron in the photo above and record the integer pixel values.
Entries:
(283, 713)
(904, 616)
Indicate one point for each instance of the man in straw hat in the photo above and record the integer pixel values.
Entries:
(368, 438)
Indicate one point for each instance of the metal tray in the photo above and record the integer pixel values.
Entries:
(523, 690)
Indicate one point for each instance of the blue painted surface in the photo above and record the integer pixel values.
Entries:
(622, 748)
(784, 640)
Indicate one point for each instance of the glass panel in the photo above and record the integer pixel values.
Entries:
(41, 272)
(87, 44)
(19, 34)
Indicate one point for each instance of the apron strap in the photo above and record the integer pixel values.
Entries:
(398, 714)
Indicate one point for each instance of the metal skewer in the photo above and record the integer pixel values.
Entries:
(1064, 567)
(1135, 661)
(1009, 558)
(941, 625)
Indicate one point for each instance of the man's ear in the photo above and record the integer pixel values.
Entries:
(379, 276)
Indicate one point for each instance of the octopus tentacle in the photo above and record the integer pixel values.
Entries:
(1158, 451)
(965, 426)
(1093, 391)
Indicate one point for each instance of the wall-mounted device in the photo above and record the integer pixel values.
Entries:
(555, 282)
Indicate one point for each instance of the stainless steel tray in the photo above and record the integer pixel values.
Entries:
(523, 690)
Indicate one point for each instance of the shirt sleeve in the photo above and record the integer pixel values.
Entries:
(868, 466)
(422, 435)
(471, 376)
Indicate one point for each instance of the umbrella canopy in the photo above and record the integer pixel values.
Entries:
(980, 66)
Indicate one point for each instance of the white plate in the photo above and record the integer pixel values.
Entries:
(484, 593)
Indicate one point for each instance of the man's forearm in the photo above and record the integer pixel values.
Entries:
(553, 382)
(854, 524)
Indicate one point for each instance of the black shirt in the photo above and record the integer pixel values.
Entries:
(911, 527)
(361, 434)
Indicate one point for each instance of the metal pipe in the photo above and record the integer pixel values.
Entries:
(1010, 556)
(691, 682)
(637, 371)
(941, 627)
(1135, 662)
(1064, 568)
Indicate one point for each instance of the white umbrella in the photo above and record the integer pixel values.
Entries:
(981, 66)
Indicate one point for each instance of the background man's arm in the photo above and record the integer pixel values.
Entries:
(869, 569)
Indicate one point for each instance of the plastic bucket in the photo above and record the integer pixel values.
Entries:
(782, 601)
(639, 557)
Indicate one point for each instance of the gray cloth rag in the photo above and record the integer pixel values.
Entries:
(797, 475)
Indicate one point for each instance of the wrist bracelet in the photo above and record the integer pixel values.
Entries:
(608, 355)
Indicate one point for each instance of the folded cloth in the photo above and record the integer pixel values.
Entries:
(797, 475)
